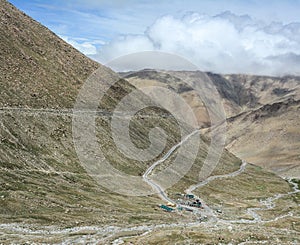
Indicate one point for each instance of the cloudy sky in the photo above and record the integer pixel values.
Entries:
(258, 37)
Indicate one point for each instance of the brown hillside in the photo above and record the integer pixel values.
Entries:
(262, 111)
(38, 69)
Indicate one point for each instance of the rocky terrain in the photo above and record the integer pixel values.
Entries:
(47, 196)
(262, 115)
(42, 180)
(39, 69)
(266, 130)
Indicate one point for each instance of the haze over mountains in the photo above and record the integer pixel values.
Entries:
(47, 196)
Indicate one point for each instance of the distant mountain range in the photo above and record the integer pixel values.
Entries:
(262, 114)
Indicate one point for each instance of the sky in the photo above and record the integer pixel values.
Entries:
(223, 36)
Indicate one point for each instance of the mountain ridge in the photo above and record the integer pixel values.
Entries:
(251, 103)
(35, 62)
(47, 196)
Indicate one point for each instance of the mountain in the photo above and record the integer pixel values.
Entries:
(38, 69)
(262, 114)
(48, 196)
(42, 180)
(265, 130)
(150, 77)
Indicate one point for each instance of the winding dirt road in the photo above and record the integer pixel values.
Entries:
(156, 186)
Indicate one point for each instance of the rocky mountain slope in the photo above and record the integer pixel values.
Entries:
(266, 130)
(263, 114)
(38, 69)
(268, 136)
(46, 196)
(42, 180)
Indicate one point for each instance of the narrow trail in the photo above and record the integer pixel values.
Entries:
(211, 178)
(156, 186)
(67, 112)
(268, 205)
(60, 112)
(253, 212)
(25, 110)
(209, 212)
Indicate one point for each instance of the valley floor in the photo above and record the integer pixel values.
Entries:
(215, 230)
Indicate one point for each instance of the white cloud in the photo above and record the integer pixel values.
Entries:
(126, 45)
(225, 43)
(85, 46)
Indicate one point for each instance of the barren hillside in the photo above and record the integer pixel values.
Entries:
(42, 180)
(38, 69)
(46, 194)
(263, 114)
